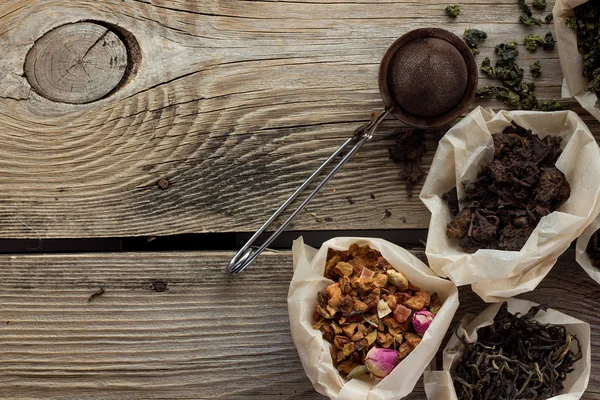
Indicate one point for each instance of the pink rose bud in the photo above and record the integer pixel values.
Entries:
(381, 362)
(421, 321)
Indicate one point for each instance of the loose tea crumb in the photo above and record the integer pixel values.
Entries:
(516, 358)
(453, 11)
(349, 198)
(532, 42)
(371, 313)
(510, 195)
(536, 69)
(473, 38)
(409, 149)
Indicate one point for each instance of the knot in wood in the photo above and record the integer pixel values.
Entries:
(77, 63)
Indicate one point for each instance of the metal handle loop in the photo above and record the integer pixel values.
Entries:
(248, 253)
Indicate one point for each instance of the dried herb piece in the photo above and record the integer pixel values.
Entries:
(549, 18)
(586, 23)
(539, 4)
(510, 195)
(525, 7)
(515, 92)
(371, 313)
(549, 42)
(532, 42)
(516, 358)
(529, 21)
(551, 106)
(409, 149)
(452, 11)
(536, 69)
(508, 51)
(473, 38)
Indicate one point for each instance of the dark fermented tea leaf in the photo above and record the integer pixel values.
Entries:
(539, 4)
(408, 150)
(516, 358)
(549, 18)
(536, 69)
(510, 195)
(473, 38)
(529, 21)
(453, 11)
(532, 42)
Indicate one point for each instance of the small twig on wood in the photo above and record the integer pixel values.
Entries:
(96, 294)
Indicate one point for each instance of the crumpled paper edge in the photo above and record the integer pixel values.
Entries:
(439, 384)
(315, 352)
(571, 61)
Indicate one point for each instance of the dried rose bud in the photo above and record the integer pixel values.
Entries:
(381, 362)
(421, 321)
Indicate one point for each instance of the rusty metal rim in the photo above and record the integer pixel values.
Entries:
(455, 112)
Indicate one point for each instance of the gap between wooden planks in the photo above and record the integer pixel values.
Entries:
(174, 325)
(235, 103)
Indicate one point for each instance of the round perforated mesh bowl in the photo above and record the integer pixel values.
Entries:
(428, 77)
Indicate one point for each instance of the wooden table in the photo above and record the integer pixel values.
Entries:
(231, 104)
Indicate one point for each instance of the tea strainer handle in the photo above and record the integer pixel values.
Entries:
(248, 253)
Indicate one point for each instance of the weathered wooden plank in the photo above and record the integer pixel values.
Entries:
(208, 335)
(235, 103)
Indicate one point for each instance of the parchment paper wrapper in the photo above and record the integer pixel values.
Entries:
(496, 274)
(315, 352)
(571, 61)
(581, 255)
(439, 385)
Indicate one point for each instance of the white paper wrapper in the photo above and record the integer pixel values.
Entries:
(439, 385)
(571, 61)
(315, 352)
(581, 255)
(496, 274)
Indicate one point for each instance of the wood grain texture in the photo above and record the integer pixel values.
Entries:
(175, 326)
(235, 103)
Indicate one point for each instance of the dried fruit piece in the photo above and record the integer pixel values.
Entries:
(343, 269)
(402, 313)
(397, 279)
(383, 309)
(419, 301)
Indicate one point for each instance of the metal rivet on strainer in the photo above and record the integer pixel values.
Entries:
(427, 78)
